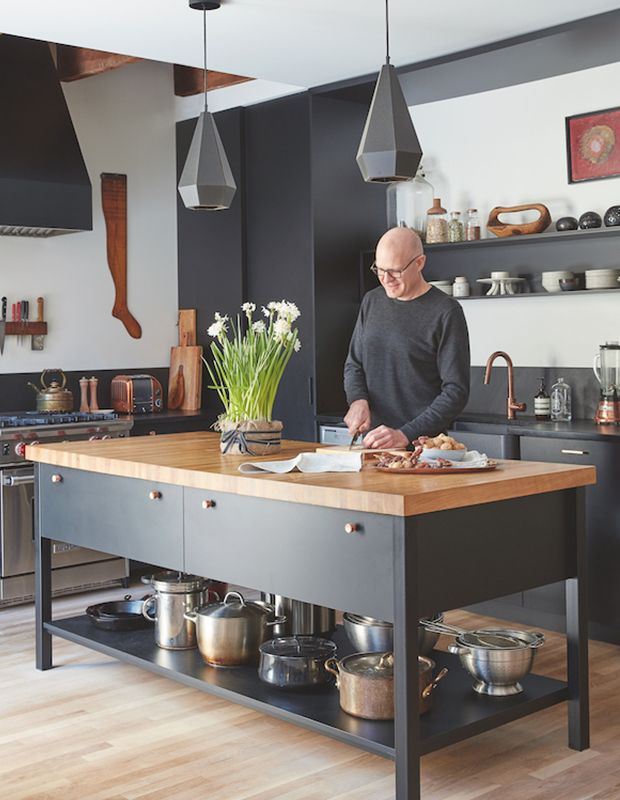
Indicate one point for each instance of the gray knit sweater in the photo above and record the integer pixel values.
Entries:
(410, 360)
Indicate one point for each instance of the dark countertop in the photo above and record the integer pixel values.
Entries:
(522, 426)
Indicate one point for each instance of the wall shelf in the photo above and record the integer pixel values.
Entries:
(537, 294)
(548, 236)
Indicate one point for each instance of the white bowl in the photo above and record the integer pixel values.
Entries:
(435, 452)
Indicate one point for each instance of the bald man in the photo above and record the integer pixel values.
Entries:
(407, 371)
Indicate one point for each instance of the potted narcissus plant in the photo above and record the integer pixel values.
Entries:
(248, 360)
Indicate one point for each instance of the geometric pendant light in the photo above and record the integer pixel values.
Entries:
(389, 149)
(207, 182)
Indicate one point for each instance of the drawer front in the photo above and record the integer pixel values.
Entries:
(112, 514)
(495, 445)
(291, 549)
(570, 451)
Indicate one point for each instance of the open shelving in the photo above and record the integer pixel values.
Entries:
(548, 236)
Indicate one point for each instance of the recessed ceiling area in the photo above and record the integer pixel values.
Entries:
(300, 42)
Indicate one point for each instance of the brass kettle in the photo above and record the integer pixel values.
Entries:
(53, 397)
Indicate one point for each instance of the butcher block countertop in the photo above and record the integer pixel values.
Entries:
(194, 460)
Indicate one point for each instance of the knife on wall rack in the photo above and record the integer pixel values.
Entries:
(2, 323)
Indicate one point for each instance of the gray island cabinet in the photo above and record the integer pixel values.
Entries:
(396, 547)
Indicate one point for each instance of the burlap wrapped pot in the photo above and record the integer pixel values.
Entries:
(254, 437)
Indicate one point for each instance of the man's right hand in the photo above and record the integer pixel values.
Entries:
(357, 417)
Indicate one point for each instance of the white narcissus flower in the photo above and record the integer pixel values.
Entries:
(218, 327)
(266, 312)
(281, 328)
(259, 327)
(220, 318)
(248, 308)
(289, 310)
(297, 346)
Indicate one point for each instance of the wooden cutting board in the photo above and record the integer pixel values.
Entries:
(185, 381)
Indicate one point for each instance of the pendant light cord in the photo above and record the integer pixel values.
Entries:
(204, 51)
(387, 34)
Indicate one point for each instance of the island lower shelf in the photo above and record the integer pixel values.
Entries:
(458, 712)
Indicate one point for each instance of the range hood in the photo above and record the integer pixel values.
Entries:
(44, 186)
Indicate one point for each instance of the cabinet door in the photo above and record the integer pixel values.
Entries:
(602, 528)
(291, 549)
(495, 445)
(112, 514)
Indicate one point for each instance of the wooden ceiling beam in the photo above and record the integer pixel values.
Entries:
(74, 63)
(190, 80)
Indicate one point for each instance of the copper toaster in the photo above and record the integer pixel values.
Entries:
(136, 394)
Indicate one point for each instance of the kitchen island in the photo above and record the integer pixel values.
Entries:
(395, 547)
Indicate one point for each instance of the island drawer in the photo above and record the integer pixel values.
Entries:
(262, 543)
(134, 518)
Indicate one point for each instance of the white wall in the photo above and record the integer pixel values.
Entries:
(507, 147)
(124, 120)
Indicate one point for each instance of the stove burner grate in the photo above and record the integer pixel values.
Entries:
(41, 418)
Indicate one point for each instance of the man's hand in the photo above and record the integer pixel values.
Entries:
(385, 438)
(358, 417)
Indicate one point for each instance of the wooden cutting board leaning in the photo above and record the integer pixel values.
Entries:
(185, 377)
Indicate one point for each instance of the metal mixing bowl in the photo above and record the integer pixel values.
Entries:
(369, 635)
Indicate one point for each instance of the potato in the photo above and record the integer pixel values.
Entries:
(446, 446)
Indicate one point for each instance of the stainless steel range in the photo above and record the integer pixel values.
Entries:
(74, 568)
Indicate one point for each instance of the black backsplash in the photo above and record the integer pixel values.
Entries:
(16, 395)
(491, 399)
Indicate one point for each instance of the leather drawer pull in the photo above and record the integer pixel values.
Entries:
(575, 452)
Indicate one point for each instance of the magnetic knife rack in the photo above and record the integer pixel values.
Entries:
(26, 328)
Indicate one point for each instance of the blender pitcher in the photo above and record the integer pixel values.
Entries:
(606, 367)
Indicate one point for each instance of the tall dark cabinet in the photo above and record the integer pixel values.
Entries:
(301, 216)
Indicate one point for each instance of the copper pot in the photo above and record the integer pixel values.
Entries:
(366, 684)
(53, 397)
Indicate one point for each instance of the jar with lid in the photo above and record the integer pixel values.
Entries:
(561, 402)
(460, 287)
(407, 202)
(436, 223)
(472, 225)
(455, 227)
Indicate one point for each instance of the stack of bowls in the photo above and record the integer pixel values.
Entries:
(370, 635)
(602, 278)
(551, 280)
(444, 286)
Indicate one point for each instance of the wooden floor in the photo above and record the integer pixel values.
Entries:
(95, 729)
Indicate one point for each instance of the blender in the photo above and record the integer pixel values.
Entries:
(607, 370)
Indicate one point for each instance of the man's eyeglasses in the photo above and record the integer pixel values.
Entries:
(392, 273)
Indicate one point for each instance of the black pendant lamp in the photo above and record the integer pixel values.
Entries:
(389, 150)
(207, 182)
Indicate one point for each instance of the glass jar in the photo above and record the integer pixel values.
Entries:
(472, 225)
(561, 402)
(436, 223)
(460, 287)
(407, 202)
(455, 227)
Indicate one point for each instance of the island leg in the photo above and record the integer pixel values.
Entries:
(577, 635)
(42, 586)
(406, 683)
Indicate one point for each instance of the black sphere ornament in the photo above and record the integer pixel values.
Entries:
(612, 217)
(590, 220)
(566, 224)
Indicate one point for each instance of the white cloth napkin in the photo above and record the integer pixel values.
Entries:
(307, 462)
(472, 459)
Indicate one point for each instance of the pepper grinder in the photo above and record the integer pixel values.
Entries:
(93, 393)
(84, 394)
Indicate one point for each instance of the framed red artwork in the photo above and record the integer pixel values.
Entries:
(593, 145)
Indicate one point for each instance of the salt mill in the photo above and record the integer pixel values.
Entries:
(93, 393)
(84, 394)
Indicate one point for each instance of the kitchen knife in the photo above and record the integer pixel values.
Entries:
(2, 325)
(37, 340)
(356, 433)
(18, 315)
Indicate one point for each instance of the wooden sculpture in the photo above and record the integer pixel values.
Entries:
(499, 228)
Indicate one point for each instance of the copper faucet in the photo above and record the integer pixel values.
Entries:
(511, 404)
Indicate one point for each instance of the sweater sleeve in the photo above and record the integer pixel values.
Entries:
(355, 386)
(453, 363)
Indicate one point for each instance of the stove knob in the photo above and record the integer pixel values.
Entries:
(107, 436)
(93, 438)
(20, 449)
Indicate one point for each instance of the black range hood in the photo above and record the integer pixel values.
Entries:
(44, 186)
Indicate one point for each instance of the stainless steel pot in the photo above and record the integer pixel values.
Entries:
(369, 635)
(498, 658)
(366, 684)
(230, 633)
(296, 662)
(302, 619)
(176, 593)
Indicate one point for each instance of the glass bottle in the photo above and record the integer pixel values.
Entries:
(407, 202)
(472, 225)
(460, 287)
(561, 402)
(542, 402)
(436, 223)
(455, 227)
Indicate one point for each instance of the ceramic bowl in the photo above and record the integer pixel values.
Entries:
(569, 284)
(435, 452)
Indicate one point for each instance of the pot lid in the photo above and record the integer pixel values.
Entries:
(369, 665)
(299, 647)
(234, 607)
(178, 582)
(359, 619)
(494, 639)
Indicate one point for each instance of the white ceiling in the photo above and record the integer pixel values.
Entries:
(300, 42)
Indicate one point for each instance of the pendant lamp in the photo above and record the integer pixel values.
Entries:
(207, 182)
(389, 150)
